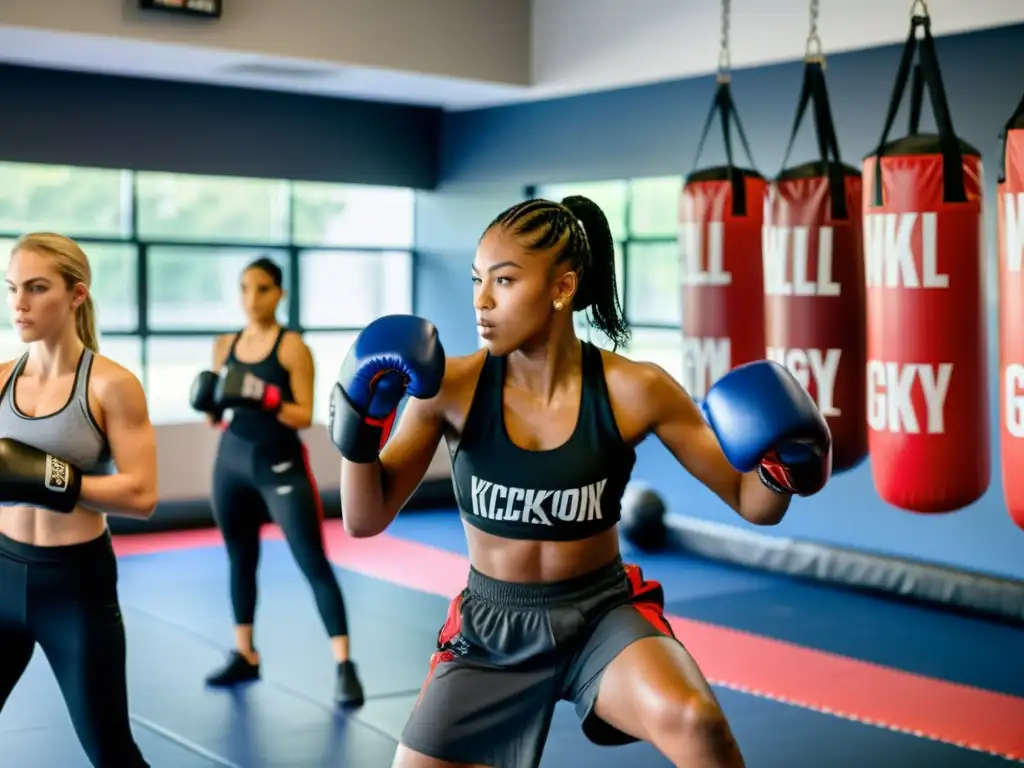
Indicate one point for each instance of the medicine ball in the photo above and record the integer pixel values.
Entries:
(643, 517)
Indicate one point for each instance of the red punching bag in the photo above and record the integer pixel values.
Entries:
(1010, 196)
(720, 216)
(814, 277)
(928, 402)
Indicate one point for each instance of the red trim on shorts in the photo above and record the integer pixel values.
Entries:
(449, 630)
(648, 598)
(319, 502)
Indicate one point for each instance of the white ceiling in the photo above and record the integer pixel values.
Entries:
(182, 63)
(577, 46)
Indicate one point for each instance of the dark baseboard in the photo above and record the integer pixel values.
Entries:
(183, 515)
(964, 592)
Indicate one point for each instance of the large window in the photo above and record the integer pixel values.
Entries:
(77, 202)
(172, 362)
(167, 252)
(654, 207)
(642, 215)
(115, 273)
(212, 209)
(653, 293)
(196, 288)
(612, 196)
(658, 345)
(353, 217)
(126, 350)
(328, 349)
(351, 288)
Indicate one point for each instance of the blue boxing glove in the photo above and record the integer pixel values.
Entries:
(765, 419)
(394, 355)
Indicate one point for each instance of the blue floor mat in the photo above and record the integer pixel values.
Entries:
(264, 724)
(179, 628)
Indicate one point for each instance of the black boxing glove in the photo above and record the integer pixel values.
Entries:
(237, 388)
(203, 394)
(37, 479)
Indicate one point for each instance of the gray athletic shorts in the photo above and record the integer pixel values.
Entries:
(507, 653)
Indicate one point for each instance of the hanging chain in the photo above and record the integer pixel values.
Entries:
(724, 62)
(814, 52)
(919, 10)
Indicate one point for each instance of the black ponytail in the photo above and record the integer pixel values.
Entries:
(597, 289)
(579, 230)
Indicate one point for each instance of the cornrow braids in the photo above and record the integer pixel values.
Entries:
(578, 231)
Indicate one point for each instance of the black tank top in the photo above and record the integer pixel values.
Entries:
(262, 426)
(569, 493)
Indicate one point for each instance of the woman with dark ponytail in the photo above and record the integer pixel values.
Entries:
(541, 429)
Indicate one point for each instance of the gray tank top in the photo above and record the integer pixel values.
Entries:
(71, 433)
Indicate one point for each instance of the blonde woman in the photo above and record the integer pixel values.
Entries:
(76, 443)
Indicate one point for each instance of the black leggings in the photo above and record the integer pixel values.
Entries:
(249, 477)
(65, 599)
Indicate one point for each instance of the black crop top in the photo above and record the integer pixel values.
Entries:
(565, 494)
(257, 426)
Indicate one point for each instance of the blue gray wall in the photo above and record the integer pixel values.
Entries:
(653, 131)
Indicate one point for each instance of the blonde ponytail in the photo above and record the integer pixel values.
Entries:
(73, 266)
(85, 324)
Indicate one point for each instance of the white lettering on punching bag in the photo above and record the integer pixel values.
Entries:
(536, 507)
(813, 365)
(889, 258)
(1013, 230)
(702, 263)
(786, 255)
(1013, 399)
(705, 361)
(1013, 375)
(699, 265)
(890, 401)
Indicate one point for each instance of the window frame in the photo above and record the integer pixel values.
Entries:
(291, 251)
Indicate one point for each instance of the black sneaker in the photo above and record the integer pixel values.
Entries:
(348, 691)
(237, 670)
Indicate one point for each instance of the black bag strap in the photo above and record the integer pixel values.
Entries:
(1018, 115)
(916, 101)
(815, 91)
(953, 187)
(724, 106)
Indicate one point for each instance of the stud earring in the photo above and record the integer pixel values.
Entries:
(558, 304)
